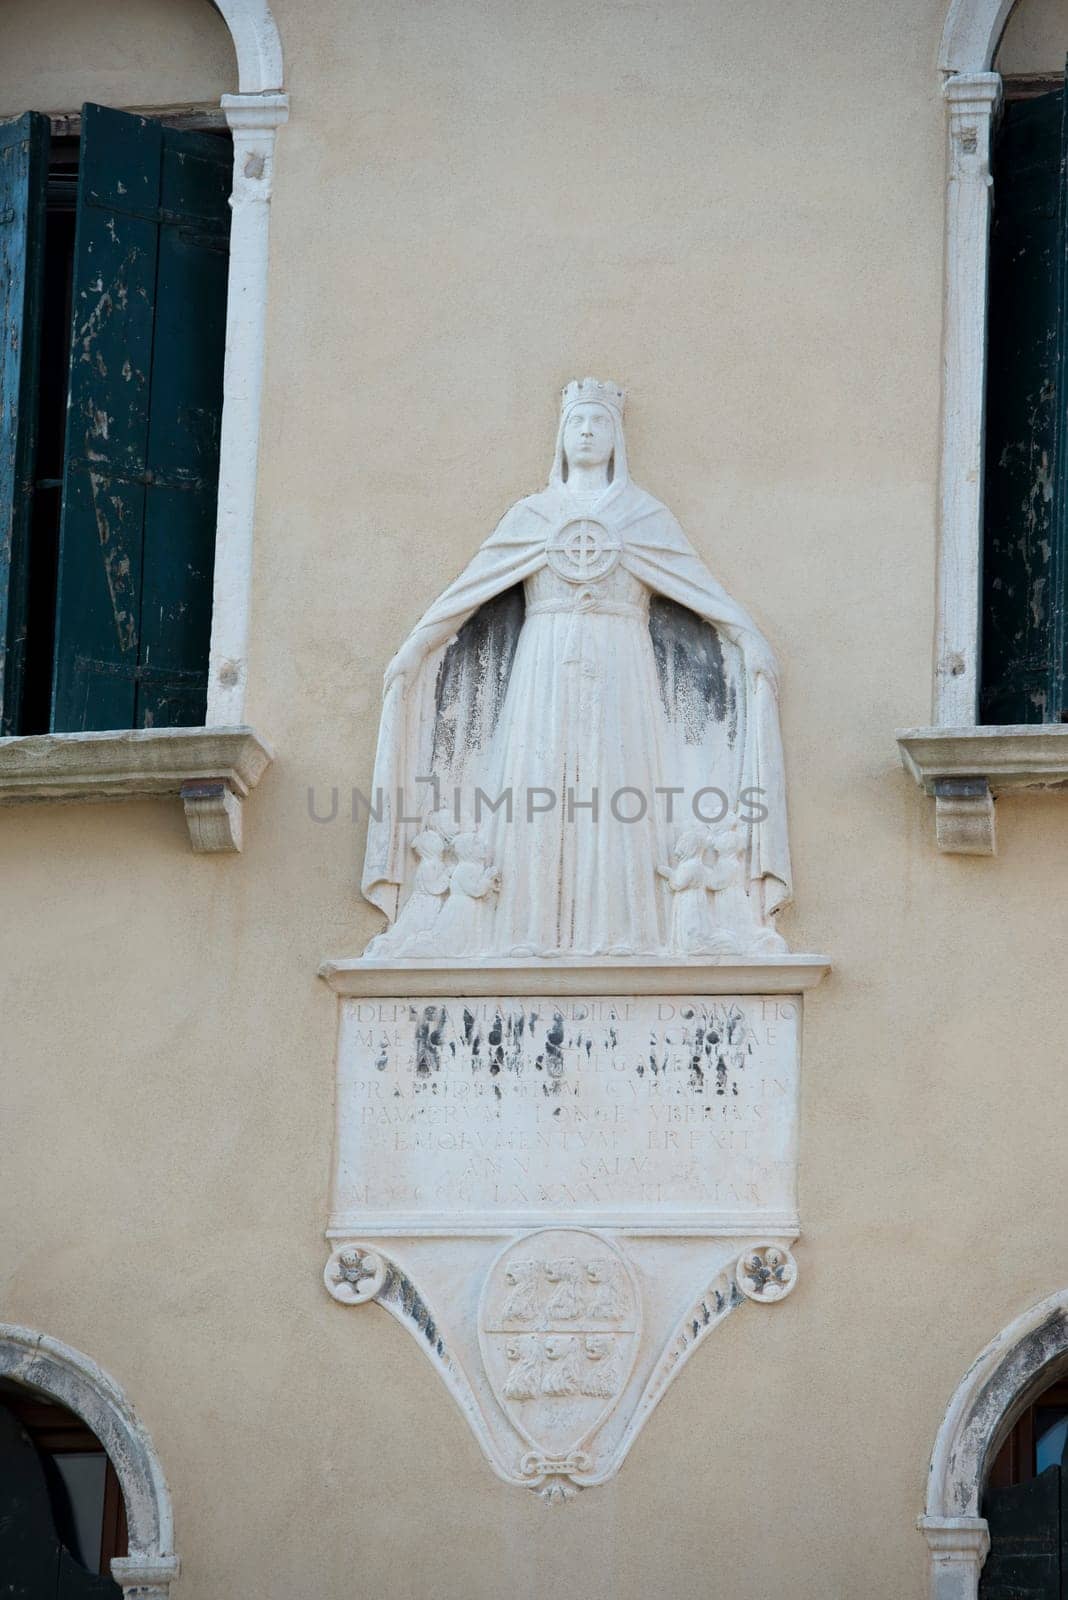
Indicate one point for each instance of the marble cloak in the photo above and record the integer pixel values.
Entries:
(658, 554)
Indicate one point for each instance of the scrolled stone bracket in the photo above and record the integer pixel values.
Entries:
(766, 1272)
(145, 1577)
(964, 817)
(355, 1275)
(213, 816)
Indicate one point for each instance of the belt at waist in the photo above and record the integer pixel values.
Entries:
(586, 605)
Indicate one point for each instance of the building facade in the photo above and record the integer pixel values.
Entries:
(770, 224)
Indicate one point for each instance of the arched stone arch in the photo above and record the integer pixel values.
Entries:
(64, 1374)
(972, 34)
(256, 44)
(1013, 1369)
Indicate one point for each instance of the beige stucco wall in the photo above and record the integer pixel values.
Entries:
(736, 211)
(1035, 39)
(55, 54)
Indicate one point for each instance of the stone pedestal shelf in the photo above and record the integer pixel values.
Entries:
(212, 770)
(965, 768)
(575, 975)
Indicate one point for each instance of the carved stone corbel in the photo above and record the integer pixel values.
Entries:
(964, 817)
(213, 816)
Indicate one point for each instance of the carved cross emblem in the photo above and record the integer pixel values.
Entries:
(583, 551)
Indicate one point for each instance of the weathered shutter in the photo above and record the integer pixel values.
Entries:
(23, 174)
(140, 478)
(1025, 560)
(1024, 1562)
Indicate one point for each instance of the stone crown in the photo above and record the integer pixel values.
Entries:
(592, 391)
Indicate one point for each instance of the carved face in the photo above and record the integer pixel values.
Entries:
(589, 436)
(691, 844)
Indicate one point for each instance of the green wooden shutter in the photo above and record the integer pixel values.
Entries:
(1025, 539)
(23, 173)
(140, 479)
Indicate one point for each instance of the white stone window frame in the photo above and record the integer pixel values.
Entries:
(1013, 1370)
(212, 768)
(45, 1365)
(962, 764)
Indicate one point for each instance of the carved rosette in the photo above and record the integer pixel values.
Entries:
(766, 1272)
(355, 1275)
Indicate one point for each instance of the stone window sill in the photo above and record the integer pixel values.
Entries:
(964, 768)
(212, 770)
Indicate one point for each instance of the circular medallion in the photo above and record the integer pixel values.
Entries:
(766, 1272)
(583, 551)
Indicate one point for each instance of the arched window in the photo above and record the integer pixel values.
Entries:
(975, 1446)
(55, 1403)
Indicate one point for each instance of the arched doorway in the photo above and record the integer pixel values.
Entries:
(1012, 1375)
(34, 1366)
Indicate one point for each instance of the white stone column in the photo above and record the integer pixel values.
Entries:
(971, 100)
(253, 120)
(957, 1548)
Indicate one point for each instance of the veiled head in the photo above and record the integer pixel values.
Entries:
(591, 430)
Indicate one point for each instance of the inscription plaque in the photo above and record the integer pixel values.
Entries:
(660, 1113)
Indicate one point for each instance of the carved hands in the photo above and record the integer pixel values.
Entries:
(407, 661)
(759, 656)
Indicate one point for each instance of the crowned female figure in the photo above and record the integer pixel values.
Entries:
(581, 694)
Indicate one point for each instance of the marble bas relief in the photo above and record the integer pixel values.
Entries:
(561, 1198)
(561, 1194)
(579, 751)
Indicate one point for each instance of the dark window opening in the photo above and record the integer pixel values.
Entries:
(1026, 1506)
(1024, 672)
(62, 1515)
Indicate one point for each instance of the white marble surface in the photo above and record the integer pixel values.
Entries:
(561, 1196)
(658, 1112)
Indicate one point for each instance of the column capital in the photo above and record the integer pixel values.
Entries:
(971, 100)
(956, 1538)
(972, 96)
(974, 91)
(256, 113)
(145, 1577)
